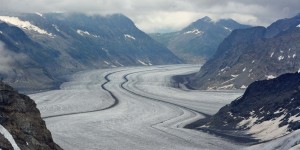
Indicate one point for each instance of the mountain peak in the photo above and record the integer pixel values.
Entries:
(206, 18)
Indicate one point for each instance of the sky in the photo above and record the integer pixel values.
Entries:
(166, 15)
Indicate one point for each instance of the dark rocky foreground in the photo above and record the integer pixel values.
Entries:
(19, 115)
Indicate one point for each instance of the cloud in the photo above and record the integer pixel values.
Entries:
(167, 15)
(9, 59)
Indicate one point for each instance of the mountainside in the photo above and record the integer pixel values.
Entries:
(198, 41)
(268, 109)
(21, 124)
(247, 55)
(56, 44)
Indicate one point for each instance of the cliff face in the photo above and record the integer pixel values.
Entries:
(20, 117)
(268, 109)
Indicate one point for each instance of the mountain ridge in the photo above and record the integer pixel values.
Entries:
(58, 44)
(198, 41)
(247, 55)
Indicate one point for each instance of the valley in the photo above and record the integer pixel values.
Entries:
(131, 108)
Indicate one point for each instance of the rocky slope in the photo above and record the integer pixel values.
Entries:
(57, 44)
(247, 55)
(198, 41)
(21, 121)
(268, 109)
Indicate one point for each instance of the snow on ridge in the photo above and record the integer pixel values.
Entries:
(26, 25)
(9, 137)
(194, 31)
(129, 36)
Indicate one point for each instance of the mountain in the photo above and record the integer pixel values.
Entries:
(247, 55)
(198, 41)
(57, 44)
(21, 125)
(268, 109)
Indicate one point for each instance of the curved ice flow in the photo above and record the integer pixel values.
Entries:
(149, 115)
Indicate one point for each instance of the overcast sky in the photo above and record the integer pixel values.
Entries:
(167, 15)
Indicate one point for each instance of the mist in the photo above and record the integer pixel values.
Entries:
(9, 59)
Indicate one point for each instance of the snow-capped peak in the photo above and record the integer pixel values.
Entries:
(26, 25)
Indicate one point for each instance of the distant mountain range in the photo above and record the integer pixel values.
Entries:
(198, 41)
(40, 48)
(252, 54)
(269, 109)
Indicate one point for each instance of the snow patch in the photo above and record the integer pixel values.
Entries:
(119, 63)
(270, 77)
(129, 36)
(243, 87)
(272, 54)
(143, 63)
(268, 130)
(253, 61)
(294, 118)
(1, 32)
(227, 28)
(233, 75)
(244, 69)
(194, 31)
(26, 25)
(247, 122)
(56, 27)
(294, 55)
(39, 14)
(226, 86)
(83, 33)
(298, 25)
(106, 62)
(9, 137)
(280, 58)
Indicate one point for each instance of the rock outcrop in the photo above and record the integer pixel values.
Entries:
(20, 117)
(268, 109)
